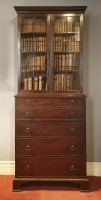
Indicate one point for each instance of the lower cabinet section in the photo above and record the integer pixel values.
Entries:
(53, 167)
(50, 140)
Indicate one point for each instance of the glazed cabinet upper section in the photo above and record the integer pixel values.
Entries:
(50, 43)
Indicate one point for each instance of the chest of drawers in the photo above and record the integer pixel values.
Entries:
(50, 139)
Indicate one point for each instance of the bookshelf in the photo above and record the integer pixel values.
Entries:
(50, 107)
(58, 49)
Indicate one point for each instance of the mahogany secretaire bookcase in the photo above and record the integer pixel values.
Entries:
(50, 107)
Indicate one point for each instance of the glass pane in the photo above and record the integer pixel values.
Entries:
(66, 49)
(34, 54)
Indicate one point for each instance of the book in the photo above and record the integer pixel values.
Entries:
(35, 83)
(40, 82)
(25, 84)
(29, 83)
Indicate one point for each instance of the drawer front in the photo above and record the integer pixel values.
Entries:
(52, 167)
(51, 147)
(50, 113)
(28, 128)
(49, 101)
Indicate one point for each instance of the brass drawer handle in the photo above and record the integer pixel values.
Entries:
(27, 168)
(72, 148)
(72, 101)
(73, 168)
(27, 114)
(27, 130)
(27, 102)
(73, 130)
(72, 113)
(28, 148)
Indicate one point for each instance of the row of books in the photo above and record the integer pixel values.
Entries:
(66, 61)
(35, 61)
(66, 24)
(35, 83)
(62, 43)
(33, 25)
(29, 44)
(63, 82)
(39, 44)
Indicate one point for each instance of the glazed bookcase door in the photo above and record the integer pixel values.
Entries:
(50, 53)
(34, 60)
(66, 53)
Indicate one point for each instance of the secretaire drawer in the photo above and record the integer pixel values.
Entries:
(49, 101)
(50, 147)
(30, 128)
(53, 167)
(50, 113)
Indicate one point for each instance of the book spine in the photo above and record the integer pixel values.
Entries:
(40, 83)
(35, 83)
(25, 84)
(29, 83)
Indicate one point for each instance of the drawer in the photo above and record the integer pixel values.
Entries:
(29, 128)
(49, 101)
(50, 147)
(50, 167)
(50, 113)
